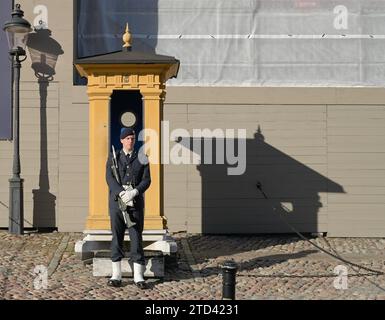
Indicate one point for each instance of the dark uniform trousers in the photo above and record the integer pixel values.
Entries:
(118, 228)
(134, 170)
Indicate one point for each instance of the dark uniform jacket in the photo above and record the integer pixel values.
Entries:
(131, 170)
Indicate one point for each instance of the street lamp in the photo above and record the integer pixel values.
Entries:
(17, 34)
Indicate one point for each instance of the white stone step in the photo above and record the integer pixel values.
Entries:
(154, 267)
(96, 240)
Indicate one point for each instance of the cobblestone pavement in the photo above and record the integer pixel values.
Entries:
(270, 267)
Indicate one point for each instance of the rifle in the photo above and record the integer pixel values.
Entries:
(122, 206)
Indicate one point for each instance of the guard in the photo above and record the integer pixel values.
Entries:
(134, 176)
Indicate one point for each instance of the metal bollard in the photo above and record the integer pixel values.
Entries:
(229, 270)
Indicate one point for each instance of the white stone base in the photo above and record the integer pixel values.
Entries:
(154, 267)
(100, 240)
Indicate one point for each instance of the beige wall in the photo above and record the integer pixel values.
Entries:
(323, 154)
(67, 128)
(319, 142)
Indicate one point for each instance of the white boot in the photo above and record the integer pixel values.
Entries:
(116, 270)
(138, 272)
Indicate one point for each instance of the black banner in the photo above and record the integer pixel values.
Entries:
(105, 36)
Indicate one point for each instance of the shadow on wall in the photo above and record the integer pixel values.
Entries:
(232, 204)
(44, 52)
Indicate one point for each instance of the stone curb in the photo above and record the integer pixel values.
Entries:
(55, 261)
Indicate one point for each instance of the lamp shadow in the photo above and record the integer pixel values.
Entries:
(44, 52)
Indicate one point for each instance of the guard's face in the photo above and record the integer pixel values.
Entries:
(128, 142)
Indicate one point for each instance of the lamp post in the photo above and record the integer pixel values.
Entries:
(17, 30)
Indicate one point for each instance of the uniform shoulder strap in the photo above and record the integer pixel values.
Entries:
(118, 154)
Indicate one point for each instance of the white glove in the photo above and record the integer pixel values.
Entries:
(128, 195)
(125, 198)
(132, 193)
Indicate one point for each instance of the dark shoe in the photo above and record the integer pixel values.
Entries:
(141, 285)
(114, 283)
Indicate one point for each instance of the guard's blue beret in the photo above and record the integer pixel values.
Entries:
(125, 132)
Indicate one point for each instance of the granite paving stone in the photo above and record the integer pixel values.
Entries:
(270, 267)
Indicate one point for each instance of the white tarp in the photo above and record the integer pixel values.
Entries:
(252, 42)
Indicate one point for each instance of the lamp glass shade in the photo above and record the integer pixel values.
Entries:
(17, 30)
(17, 37)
